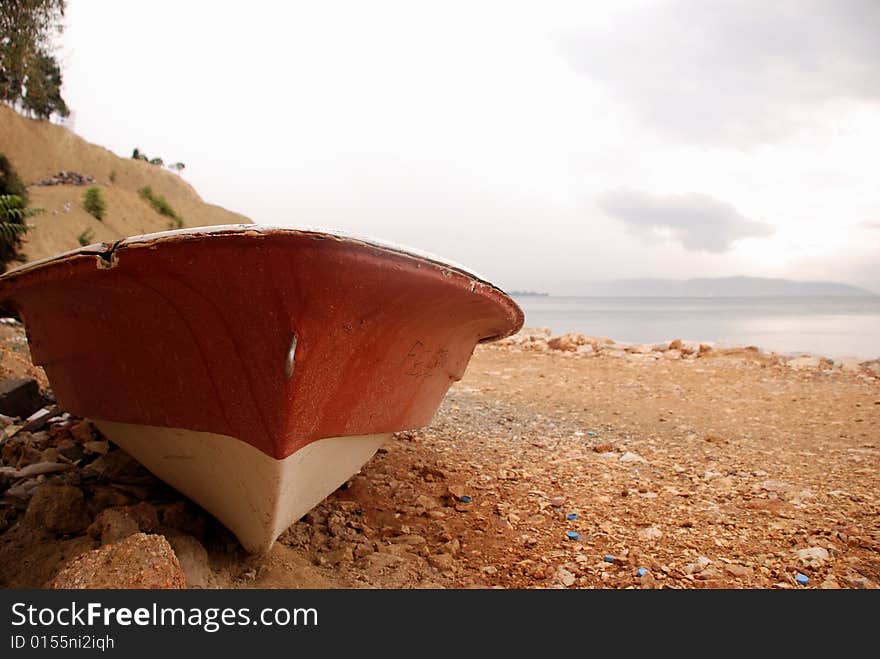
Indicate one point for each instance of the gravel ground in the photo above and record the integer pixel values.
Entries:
(569, 468)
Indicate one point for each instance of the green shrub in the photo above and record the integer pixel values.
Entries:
(93, 202)
(12, 226)
(10, 183)
(87, 237)
(161, 206)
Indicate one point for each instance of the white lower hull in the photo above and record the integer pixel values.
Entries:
(255, 496)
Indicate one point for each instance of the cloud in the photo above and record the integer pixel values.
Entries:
(870, 224)
(739, 74)
(699, 222)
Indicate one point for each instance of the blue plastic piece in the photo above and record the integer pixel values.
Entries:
(642, 571)
(591, 433)
(802, 579)
(466, 499)
(608, 559)
(572, 535)
(571, 516)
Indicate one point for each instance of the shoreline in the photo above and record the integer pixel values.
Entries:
(542, 339)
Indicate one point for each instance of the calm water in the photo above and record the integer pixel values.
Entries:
(831, 326)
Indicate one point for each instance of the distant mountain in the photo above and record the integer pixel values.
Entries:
(714, 287)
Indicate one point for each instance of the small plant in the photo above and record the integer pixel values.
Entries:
(157, 161)
(113, 176)
(161, 206)
(93, 202)
(86, 237)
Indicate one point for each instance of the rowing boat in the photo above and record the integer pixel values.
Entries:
(255, 369)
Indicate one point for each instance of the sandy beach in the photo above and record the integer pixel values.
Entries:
(563, 463)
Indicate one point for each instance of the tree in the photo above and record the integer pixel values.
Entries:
(157, 161)
(178, 167)
(138, 155)
(43, 96)
(29, 73)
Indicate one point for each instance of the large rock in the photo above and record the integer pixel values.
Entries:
(139, 561)
(20, 397)
(58, 508)
(571, 342)
(872, 367)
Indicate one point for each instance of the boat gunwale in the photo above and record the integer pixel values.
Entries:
(107, 252)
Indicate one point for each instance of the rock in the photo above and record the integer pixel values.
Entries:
(83, 432)
(689, 347)
(145, 515)
(856, 580)
(872, 367)
(566, 342)
(426, 502)
(830, 583)
(738, 571)
(650, 533)
(410, 539)
(139, 561)
(443, 562)
(362, 549)
(808, 361)
(105, 496)
(632, 457)
(557, 502)
(813, 556)
(703, 563)
(456, 492)
(70, 449)
(339, 555)
(95, 446)
(112, 525)
(675, 344)
(58, 508)
(120, 467)
(20, 397)
(565, 577)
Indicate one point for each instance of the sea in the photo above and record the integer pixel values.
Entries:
(833, 327)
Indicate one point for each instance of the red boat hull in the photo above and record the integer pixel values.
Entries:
(195, 330)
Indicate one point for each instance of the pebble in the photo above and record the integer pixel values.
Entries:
(466, 499)
(557, 502)
(571, 516)
(642, 571)
(802, 579)
(608, 559)
(651, 533)
(813, 556)
(632, 457)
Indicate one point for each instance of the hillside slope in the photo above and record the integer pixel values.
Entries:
(38, 150)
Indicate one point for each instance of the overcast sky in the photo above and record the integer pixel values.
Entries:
(538, 143)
